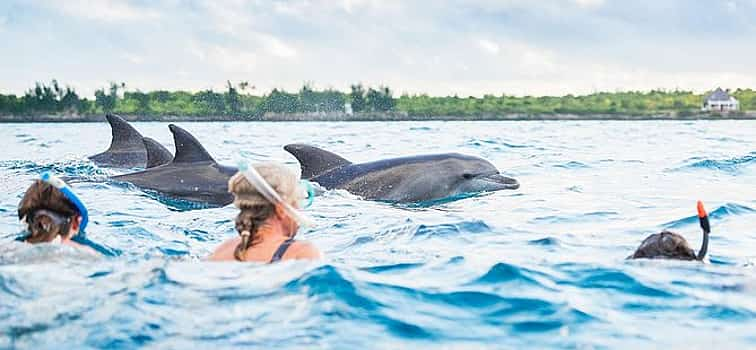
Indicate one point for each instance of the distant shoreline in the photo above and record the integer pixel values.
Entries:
(373, 117)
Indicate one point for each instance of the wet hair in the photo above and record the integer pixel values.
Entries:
(665, 245)
(255, 209)
(46, 211)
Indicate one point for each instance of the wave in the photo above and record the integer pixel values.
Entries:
(481, 142)
(453, 229)
(436, 202)
(419, 313)
(724, 211)
(587, 217)
(731, 165)
(503, 272)
(392, 267)
(572, 165)
(326, 284)
(546, 241)
(71, 169)
(607, 278)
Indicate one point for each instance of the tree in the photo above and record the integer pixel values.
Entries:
(108, 101)
(357, 98)
(232, 100)
(380, 100)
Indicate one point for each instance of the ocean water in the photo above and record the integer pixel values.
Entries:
(540, 267)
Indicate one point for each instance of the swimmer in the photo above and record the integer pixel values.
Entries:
(670, 245)
(268, 196)
(51, 212)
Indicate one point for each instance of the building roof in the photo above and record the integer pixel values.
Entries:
(718, 95)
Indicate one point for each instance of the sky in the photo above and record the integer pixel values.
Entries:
(452, 47)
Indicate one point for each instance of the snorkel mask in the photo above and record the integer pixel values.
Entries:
(71, 196)
(272, 196)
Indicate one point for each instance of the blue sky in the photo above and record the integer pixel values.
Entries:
(470, 47)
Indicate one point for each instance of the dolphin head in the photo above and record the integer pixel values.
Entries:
(448, 175)
(475, 174)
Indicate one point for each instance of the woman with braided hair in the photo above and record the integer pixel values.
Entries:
(267, 195)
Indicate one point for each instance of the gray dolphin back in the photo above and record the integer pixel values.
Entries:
(157, 154)
(192, 175)
(126, 147)
(315, 161)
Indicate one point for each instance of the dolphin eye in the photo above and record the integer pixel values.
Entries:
(467, 176)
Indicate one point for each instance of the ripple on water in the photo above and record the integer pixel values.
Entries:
(503, 272)
(610, 279)
(584, 217)
(72, 169)
(452, 229)
(731, 165)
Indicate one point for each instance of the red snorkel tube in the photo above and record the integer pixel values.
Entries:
(703, 218)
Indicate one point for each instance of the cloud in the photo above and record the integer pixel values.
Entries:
(589, 3)
(468, 47)
(489, 46)
(228, 59)
(104, 10)
(133, 58)
(276, 46)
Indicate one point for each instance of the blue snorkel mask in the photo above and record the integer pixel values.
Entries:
(81, 236)
(71, 196)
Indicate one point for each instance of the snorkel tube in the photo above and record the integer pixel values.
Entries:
(272, 196)
(703, 218)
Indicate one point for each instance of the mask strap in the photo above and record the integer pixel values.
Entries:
(310, 193)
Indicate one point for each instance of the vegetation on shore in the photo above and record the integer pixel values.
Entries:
(236, 103)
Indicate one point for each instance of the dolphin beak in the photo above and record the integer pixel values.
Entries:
(506, 183)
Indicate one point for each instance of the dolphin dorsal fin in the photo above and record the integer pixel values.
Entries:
(188, 149)
(315, 161)
(157, 154)
(125, 137)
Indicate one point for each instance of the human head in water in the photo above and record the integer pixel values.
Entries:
(261, 219)
(670, 245)
(48, 214)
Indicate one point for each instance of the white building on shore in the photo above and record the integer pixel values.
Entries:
(720, 101)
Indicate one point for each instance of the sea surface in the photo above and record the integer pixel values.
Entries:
(540, 267)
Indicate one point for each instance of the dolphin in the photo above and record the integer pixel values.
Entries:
(127, 149)
(157, 155)
(407, 179)
(191, 175)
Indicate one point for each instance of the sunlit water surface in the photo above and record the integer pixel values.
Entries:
(543, 266)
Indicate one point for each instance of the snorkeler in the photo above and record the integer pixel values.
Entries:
(53, 213)
(670, 245)
(268, 196)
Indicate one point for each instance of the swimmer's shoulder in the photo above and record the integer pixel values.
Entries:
(81, 247)
(225, 251)
(302, 250)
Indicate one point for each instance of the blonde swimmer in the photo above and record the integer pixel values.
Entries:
(268, 196)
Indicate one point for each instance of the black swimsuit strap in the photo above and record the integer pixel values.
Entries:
(281, 250)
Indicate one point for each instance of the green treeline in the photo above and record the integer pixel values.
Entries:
(235, 101)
